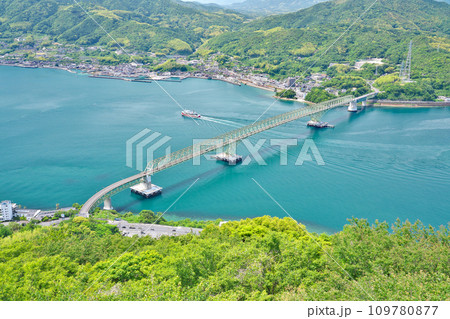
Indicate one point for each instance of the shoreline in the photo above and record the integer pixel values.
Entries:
(408, 104)
(136, 79)
(293, 100)
(403, 106)
(376, 103)
(248, 83)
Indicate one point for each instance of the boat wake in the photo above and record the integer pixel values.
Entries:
(221, 121)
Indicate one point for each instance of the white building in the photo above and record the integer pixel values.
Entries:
(375, 61)
(6, 210)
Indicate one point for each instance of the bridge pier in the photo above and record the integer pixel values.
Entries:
(353, 106)
(364, 103)
(229, 155)
(107, 204)
(231, 159)
(146, 188)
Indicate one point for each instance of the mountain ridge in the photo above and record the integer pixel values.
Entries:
(269, 7)
(143, 24)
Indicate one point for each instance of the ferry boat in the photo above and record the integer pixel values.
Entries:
(189, 113)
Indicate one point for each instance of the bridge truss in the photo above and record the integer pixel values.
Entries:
(231, 137)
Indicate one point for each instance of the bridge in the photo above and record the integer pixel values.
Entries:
(226, 141)
(353, 106)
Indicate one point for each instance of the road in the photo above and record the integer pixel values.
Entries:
(155, 231)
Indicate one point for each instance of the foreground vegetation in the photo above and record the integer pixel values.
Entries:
(254, 259)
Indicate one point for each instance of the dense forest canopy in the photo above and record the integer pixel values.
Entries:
(254, 259)
(284, 44)
(146, 25)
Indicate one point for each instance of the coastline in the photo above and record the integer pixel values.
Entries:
(372, 103)
(136, 79)
(293, 100)
(271, 89)
(408, 104)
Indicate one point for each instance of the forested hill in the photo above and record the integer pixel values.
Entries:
(419, 15)
(142, 24)
(284, 45)
(254, 259)
(267, 7)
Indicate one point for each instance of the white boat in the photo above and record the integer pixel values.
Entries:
(189, 113)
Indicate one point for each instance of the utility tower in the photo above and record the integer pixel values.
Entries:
(402, 70)
(405, 73)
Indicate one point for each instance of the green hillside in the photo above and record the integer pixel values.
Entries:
(254, 259)
(153, 25)
(285, 45)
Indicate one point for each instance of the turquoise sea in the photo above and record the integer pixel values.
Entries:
(63, 136)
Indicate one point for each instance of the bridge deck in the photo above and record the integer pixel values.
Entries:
(207, 146)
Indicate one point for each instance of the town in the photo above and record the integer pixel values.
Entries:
(45, 54)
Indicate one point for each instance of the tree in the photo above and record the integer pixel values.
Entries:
(317, 95)
(288, 94)
(149, 217)
(5, 231)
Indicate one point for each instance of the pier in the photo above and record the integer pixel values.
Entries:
(154, 190)
(146, 189)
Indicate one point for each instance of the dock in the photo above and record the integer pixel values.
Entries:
(167, 79)
(108, 77)
(142, 80)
